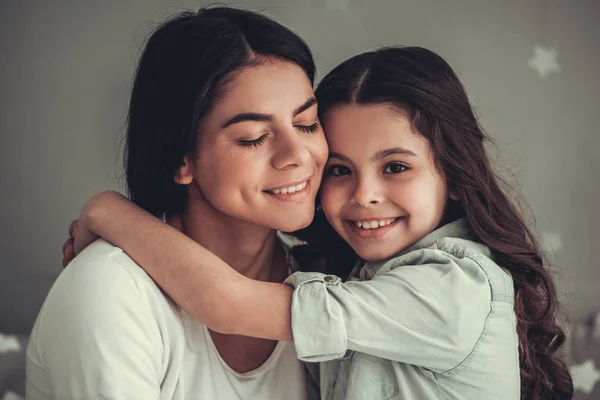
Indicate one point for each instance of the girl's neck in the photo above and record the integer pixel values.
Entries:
(252, 250)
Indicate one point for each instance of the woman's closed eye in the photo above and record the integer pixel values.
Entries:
(252, 142)
(308, 128)
(257, 142)
(394, 168)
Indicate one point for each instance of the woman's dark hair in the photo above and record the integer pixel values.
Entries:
(186, 61)
(422, 85)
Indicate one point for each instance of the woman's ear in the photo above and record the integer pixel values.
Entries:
(452, 195)
(184, 174)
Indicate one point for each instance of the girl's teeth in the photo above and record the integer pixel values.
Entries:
(373, 224)
(291, 189)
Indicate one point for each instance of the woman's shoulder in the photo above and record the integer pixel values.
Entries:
(100, 264)
(104, 322)
(103, 278)
(100, 293)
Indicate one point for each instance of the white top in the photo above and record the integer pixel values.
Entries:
(107, 331)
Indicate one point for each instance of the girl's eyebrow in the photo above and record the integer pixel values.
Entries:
(395, 150)
(339, 156)
(379, 155)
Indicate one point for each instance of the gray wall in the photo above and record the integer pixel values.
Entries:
(65, 76)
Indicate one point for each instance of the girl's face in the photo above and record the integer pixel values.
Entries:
(380, 191)
(261, 150)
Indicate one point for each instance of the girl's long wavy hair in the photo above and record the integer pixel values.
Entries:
(421, 84)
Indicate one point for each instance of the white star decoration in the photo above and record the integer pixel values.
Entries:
(11, 396)
(336, 5)
(596, 327)
(9, 343)
(552, 242)
(544, 61)
(585, 376)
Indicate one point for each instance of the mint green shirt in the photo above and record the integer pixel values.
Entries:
(435, 322)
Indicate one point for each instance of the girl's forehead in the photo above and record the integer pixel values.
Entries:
(371, 125)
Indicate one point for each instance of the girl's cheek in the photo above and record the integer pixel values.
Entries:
(332, 199)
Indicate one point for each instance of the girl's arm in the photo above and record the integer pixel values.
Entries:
(195, 278)
(426, 308)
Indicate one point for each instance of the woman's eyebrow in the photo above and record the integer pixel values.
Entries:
(243, 117)
(258, 117)
(307, 104)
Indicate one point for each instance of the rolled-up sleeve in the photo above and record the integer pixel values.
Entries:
(426, 308)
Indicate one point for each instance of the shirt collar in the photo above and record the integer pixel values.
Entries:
(457, 229)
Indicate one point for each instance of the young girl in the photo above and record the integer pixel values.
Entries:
(450, 298)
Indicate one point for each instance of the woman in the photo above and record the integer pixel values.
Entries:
(210, 86)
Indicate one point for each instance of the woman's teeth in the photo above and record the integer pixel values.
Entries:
(291, 189)
(374, 224)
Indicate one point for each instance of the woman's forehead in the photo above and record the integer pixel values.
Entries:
(270, 88)
(276, 78)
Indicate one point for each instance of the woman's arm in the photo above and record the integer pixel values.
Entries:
(195, 278)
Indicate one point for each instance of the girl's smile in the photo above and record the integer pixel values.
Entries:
(373, 227)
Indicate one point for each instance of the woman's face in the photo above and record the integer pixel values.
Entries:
(261, 150)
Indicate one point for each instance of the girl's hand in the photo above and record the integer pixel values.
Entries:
(83, 235)
(68, 249)
(80, 237)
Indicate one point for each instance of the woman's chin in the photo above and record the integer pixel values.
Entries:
(295, 225)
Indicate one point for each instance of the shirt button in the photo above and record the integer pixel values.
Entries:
(328, 279)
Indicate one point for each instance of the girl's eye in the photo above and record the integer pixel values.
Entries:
(308, 128)
(337, 170)
(253, 143)
(394, 168)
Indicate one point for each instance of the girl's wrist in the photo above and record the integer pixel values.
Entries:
(95, 210)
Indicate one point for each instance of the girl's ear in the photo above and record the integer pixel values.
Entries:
(452, 195)
(184, 174)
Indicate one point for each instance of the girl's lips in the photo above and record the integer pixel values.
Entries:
(372, 233)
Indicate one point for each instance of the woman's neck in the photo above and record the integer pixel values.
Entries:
(252, 250)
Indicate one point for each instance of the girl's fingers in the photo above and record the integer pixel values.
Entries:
(73, 228)
(68, 242)
(68, 252)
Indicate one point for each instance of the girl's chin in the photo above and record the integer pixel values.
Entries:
(374, 255)
(373, 258)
